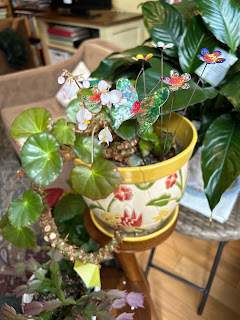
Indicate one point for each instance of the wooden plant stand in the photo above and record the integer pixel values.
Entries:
(132, 278)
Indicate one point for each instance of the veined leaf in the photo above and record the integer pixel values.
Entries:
(231, 90)
(164, 23)
(29, 122)
(64, 132)
(41, 160)
(20, 237)
(220, 157)
(24, 212)
(127, 130)
(72, 109)
(68, 206)
(97, 182)
(222, 17)
(82, 147)
(195, 37)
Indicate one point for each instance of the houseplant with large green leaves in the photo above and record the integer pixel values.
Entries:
(191, 25)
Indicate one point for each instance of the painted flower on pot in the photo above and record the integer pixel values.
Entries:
(171, 180)
(164, 213)
(123, 193)
(131, 220)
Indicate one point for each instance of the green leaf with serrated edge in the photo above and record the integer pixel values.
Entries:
(150, 109)
(20, 237)
(146, 186)
(181, 97)
(231, 90)
(195, 37)
(82, 147)
(220, 157)
(64, 132)
(4, 221)
(68, 206)
(222, 17)
(97, 182)
(41, 160)
(161, 201)
(29, 122)
(24, 212)
(164, 23)
(72, 109)
(127, 130)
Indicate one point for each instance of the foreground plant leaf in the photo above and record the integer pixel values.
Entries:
(20, 237)
(64, 132)
(123, 112)
(82, 147)
(68, 206)
(26, 211)
(72, 109)
(97, 182)
(220, 157)
(223, 18)
(29, 122)
(150, 109)
(41, 160)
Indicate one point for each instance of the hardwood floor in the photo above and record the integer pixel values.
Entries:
(192, 259)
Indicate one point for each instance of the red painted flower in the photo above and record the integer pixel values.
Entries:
(177, 82)
(171, 180)
(211, 58)
(131, 221)
(123, 193)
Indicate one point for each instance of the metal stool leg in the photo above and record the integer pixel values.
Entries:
(149, 264)
(205, 290)
(210, 279)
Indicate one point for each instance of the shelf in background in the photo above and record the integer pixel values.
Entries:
(64, 48)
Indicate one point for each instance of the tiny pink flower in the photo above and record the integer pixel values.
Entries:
(86, 84)
(83, 117)
(105, 136)
(61, 80)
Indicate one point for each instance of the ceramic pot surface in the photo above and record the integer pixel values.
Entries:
(149, 194)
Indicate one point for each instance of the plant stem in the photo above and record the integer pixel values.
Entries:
(169, 120)
(144, 81)
(161, 67)
(185, 109)
(138, 78)
(92, 146)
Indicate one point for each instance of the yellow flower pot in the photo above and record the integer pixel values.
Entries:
(149, 194)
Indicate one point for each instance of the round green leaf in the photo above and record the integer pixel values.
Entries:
(82, 147)
(195, 37)
(231, 90)
(20, 237)
(64, 132)
(68, 206)
(222, 17)
(26, 211)
(164, 23)
(220, 157)
(29, 122)
(41, 160)
(97, 182)
(72, 109)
